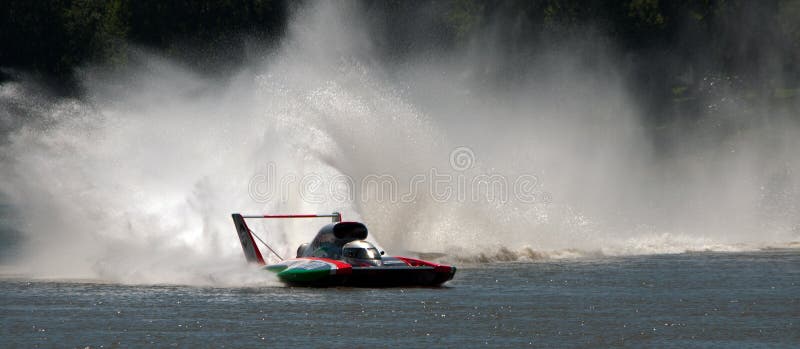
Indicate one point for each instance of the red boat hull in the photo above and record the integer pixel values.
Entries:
(422, 276)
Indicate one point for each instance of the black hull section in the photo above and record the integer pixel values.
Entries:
(385, 277)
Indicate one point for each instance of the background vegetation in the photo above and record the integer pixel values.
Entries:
(51, 37)
(674, 51)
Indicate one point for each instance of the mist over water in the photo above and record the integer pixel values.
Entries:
(135, 181)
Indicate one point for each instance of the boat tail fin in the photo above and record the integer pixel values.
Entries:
(251, 252)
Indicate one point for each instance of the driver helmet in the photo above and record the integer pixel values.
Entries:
(361, 254)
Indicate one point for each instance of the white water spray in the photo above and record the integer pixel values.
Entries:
(135, 182)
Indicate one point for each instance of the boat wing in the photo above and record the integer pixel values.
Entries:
(246, 236)
(251, 252)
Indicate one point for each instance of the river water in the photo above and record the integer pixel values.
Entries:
(712, 300)
(575, 218)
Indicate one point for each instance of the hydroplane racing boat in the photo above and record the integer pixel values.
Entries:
(340, 256)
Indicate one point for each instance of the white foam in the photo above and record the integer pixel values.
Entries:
(135, 182)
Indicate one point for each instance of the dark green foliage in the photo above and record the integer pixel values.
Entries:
(51, 37)
(666, 45)
(672, 53)
(162, 23)
(33, 36)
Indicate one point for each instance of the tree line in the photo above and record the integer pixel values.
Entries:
(672, 45)
(51, 37)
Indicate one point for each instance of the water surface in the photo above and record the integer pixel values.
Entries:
(712, 300)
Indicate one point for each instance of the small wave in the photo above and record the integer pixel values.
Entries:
(527, 254)
(238, 275)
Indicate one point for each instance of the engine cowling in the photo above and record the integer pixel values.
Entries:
(301, 249)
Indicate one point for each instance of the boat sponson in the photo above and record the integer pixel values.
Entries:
(408, 276)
